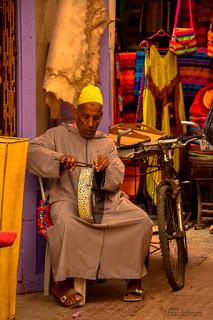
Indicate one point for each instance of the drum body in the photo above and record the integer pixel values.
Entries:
(85, 194)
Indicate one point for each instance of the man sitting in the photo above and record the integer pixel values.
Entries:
(117, 244)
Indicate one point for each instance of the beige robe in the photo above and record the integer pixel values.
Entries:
(117, 245)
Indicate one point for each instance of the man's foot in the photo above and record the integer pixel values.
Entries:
(67, 297)
(211, 229)
(134, 291)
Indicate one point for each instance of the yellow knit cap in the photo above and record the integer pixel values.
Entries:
(90, 93)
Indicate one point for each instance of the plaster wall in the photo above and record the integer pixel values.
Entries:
(45, 12)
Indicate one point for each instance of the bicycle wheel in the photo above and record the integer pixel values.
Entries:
(172, 239)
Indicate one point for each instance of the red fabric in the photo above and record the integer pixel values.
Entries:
(127, 75)
(198, 109)
(131, 181)
(129, 117)
(7, 238)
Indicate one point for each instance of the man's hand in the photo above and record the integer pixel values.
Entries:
(68, 161)
(101, 163)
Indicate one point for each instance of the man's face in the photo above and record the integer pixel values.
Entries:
(88, 118)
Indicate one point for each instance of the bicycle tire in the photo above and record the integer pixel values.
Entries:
(172, 240)
(186, 250)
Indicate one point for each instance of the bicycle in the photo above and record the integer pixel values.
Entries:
(170, 215)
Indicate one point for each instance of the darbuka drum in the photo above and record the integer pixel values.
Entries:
(85, 194)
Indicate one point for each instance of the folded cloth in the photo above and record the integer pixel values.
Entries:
(7, 238)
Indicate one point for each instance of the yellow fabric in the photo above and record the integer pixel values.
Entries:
(13, 154)
(163, 70)
(90, 93)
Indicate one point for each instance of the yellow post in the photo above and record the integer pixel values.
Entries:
(13, 155)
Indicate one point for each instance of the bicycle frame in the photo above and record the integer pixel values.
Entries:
(173, 244)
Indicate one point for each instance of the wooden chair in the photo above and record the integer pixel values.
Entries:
(202, 174)
(79, 283)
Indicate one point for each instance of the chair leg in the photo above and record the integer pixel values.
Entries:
(47, 272)
(79, 283)
(199, 204)
(80, 286)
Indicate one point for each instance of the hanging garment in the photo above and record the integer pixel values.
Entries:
(74, 52)
(163, 103)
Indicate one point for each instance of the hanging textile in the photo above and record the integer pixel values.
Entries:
(118, 100)
(127, 75)
(127, 82)
(140, 83)
(74, 52)
(163, 103)
(196, 71)
(139, 66)
(7, 68)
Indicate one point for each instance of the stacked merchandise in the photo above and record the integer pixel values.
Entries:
(198, 114)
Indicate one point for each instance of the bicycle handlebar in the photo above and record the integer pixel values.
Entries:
(188, 138)
(181, 141)
(193, 124)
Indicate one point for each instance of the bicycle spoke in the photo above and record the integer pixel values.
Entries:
(171, 239)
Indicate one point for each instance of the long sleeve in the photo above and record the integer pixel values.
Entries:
(43, 160)
(114, 174)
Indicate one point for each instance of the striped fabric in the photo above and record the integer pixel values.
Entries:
(127, 75)
(125, 102)
(139, 66)
(183, 41)
(184, 35)
(195, 72)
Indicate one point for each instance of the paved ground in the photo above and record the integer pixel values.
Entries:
(194, 301)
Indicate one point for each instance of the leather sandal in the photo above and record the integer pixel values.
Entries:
(134, 295)
(63, 296)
